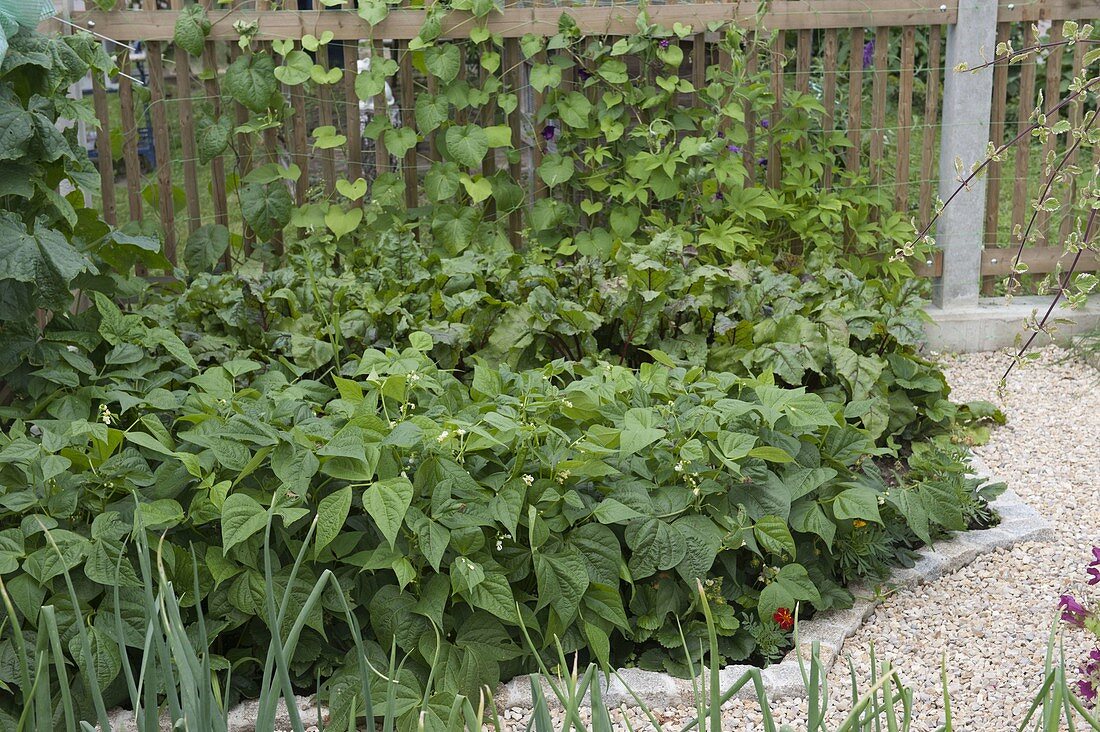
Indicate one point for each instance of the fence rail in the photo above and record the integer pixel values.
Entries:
(879, 68)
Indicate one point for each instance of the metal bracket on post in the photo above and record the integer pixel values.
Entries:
(967, 109)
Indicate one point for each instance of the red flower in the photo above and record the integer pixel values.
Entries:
(784, 618)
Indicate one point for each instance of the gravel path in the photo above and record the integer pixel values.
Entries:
(988, 623)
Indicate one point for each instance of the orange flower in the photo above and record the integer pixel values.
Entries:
(784, 618)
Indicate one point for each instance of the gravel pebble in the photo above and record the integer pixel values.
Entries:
(987, 624)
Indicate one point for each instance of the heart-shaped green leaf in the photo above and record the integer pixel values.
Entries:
(479, 189)
(341, 222)
(467, 145)
(353, 191)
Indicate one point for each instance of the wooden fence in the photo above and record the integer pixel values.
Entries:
(878, 66)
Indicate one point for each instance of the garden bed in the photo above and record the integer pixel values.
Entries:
(829, 629)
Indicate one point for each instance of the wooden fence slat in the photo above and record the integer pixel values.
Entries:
(725, 66)
(1051, 94)
(487, 116)
(698, 65)
(351, 111)
(880, 76)
(328, 119)
(1076, 117)
(430, 138)
(271, 134)
(778, 59)
(538, 142)
(931, 121)
(802, 64)
(217, 164)
(162, 146)
(829, 93)
(298, 139)
(1020, 203)
(298, 134)
(752, 67)
(381, 106)
(187, 139)
(408, 103)
(905, 117)
(997, 137)
(104, 161)
(130, 138)
(855, 98)
(244, 151)
(514, 79)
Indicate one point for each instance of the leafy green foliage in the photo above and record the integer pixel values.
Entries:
(591, 494)
(676, 380)
(50, 243)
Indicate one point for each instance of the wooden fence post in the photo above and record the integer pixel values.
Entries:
(967, 110)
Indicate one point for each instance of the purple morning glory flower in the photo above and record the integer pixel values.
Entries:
(1073, 612)
(869, 53)
(583, 73)
(1087, 692)
(721, 135)
(665, 43)
(1095, 556)
(719, 197)
(733, 148)
(765, 123)
(762, 161)
(548, 132)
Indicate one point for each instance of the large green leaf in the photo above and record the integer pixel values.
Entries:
(639, 431)
(105, 661)
(386, 502)
(574, 109)
(443, 62)
(600, 549)
(192, 27)
(562, 581)
(860, 373)
(858, 502)
(772, 534)
(332, 512)
(790, 585)
(43, 259)
(431, 112)
(454, 226)
(205, 247)
(250, 80)
(266, 207)
(703, 540)
(808, 517)
(16, 130)
(242, 516)
(212, 137)
(655, 545)
(556, 169)
(495, 595)
(467, 145)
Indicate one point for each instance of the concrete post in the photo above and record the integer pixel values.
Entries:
(967, 108)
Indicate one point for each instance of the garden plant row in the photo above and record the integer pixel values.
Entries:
(496, 451)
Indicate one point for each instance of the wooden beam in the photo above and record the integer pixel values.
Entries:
(515, 22)
(1034, 10)
(928, 268)
(1039, 260)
